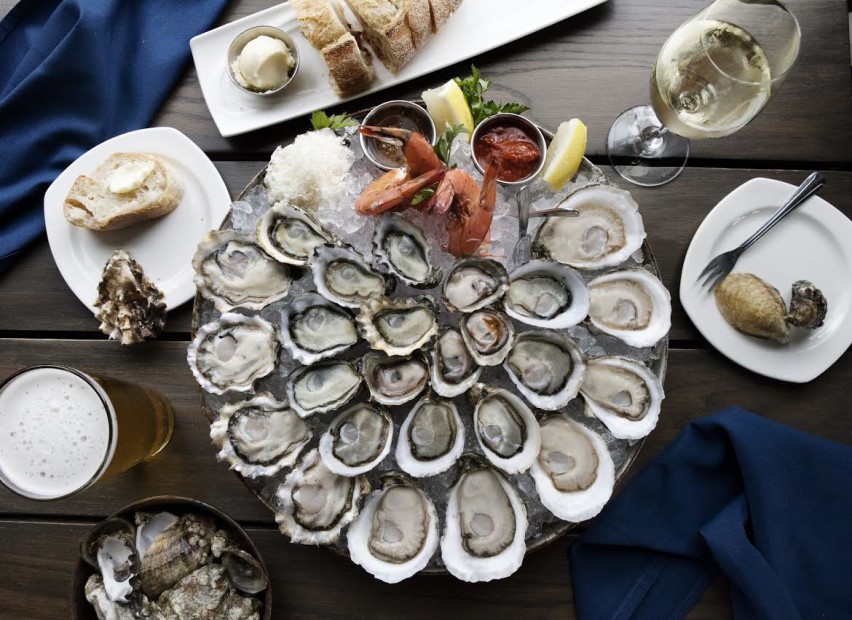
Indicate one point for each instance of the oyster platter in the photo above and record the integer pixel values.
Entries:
(392, 383)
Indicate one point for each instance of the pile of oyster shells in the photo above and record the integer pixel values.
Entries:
(467, 436)
(169, 567)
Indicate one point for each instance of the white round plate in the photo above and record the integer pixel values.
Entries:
(164, 246)
(812, 243)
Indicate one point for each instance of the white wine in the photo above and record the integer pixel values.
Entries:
(710, 79)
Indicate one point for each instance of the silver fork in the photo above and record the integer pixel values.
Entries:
(719, 268)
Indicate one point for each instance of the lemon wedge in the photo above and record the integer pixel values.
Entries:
(564, 154)
(448, 106)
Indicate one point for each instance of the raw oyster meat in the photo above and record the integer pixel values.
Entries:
(290, 234)
(233, 271)
(402, 247)
(396, 533)
(398, 327)
(130, 306)
(315, 504)
(232, 352)
(473, 283)
(574, 473)
(454, 371)
(342, 276)
(486, 524)
(546, 367)
(808, 306)
(357, 440)
(488, 335)
(260, 436)
(322, 387)
(608, 230)
(395, 380)
(313, 329)
(206, 593)
(109, 548)
(431, 438)
(623, 394)
(632, 305)
(546, 294)
(505, 428)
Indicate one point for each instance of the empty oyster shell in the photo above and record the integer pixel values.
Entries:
(402, 247)
(395, 380)
(623, 394)
(486, 523)
(454, 371)
(632, 305)
(473, 283)
(313, 329)
(260, 436)
(315, 504)
(808, 306)
(488, 335)
(232, 352)
(398, 327)
(244, 571)
(206, 593)
(574, 473)
(234, 271)
(608, 230)
(505, 428)
(106, 609)
(752, 306)
(109, 548)
(431, 438)
(342, 276)
(546, 294)
(397, 531)
(322, 387)
(290, 235)
(357, 440)
(547, 368)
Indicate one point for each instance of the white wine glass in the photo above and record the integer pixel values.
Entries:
(712, 76)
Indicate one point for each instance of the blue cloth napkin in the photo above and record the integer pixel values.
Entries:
(72, 74)
(768, 506)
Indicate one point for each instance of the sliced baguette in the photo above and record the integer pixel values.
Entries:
(419, 16)
(90, 203)
(441, 11)
(386, 29)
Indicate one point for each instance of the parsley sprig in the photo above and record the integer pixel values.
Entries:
(321, 120)
(474, 87)
(443, 146)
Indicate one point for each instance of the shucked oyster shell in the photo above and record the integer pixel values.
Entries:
(395, 380)
(398, 327)
(431, 438)
(488, 335)
(473, 283)
(454, 371)
(109, 548)
(342, 276)
(505, 428)
(313, 329)
(290, 235)
(357, 440)
(546, 294)
(632, 305)
(403, 248)
(322, 387)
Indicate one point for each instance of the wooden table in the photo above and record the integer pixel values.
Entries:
(592, 66)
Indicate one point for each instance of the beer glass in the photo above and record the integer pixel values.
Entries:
(62, 430)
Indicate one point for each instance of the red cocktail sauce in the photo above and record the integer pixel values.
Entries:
(517, 155)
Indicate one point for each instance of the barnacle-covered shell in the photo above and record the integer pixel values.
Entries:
(398, 327)
(505, 428)
(431, 438)
(473, 283)
(546, 294)
(357, 440)
(808, 306)
(290, 234)
(105, 608)
(322, 387)
(546, 367)
(402, 247)
(395, 380)
(342, 276)
(488, 335)
(454, 371)
(313, 329)
(632, 305)
(752, 306)
(206, 593)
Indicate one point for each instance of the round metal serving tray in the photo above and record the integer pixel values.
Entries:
(550, 531)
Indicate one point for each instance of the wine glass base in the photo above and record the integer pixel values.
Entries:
(643, 151)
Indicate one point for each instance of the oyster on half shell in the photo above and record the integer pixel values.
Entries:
(632, 305)
(395, 380)
(313, 329)
(398, 327)
(290, 234)
(342, 276)
(322, 387)
(454, 371)
(402, 247)
(474, 283)
(109, 548)
(431, 438)
(488, 335)
(357, 440)
(546, 294)
(505, 428)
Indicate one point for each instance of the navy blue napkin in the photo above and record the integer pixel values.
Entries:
(768, 506)
(72, 74)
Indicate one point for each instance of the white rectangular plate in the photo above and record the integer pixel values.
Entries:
(476, 27)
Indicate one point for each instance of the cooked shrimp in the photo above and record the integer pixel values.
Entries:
(471, 208)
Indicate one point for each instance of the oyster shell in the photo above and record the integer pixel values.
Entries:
(232, 352)
(260, 436)
(245, 572)
(505, 428)
(395, 380)
(546, 294)
(290, 234)
(398, 327)
(488, 335)
(632, 305)
(608, 230)
(342, 276)
(486, 523)
(752, 306)
(402, 247)
(473, 283)
(623, 394)
(808, 306)
(106, 609)
(130, 306)
(574, 473)
(233, 271)
(431, 438)
(315, 504)
(357, 440)
(546, 367)
(313, 329)
(206, 593)
(454, 371)
(322, 387)
(396, 533)
(109, 548)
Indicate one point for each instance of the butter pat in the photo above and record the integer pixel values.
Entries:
(263, 64)
(129, 176)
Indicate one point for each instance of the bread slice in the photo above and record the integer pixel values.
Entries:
(91, 203)
(387, 30)
(324, 26)
(441, 11)
(419, 16)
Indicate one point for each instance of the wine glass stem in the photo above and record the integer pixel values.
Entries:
(652, 140)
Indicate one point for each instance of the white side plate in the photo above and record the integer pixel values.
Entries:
(476, 27)
(164, 246)
(812, 243)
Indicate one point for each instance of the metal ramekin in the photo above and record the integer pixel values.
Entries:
(244, 37)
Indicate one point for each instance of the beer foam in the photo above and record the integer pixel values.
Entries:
(54, 433)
